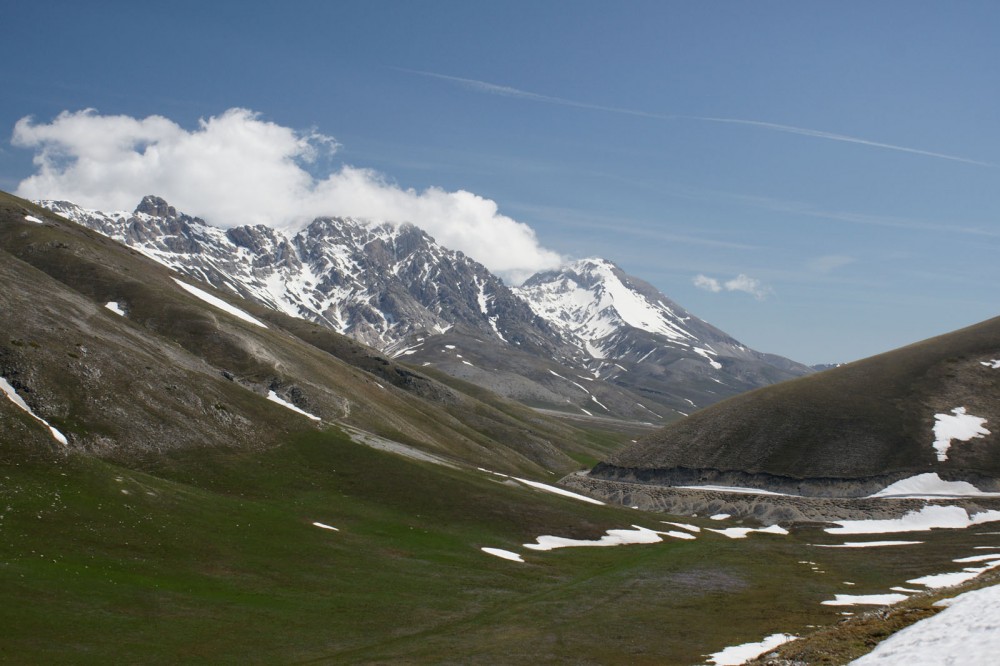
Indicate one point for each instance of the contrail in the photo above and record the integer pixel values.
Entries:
(819, 134)
(508, 91)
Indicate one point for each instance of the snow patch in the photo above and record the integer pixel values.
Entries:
(720, 516)
(505, 554)
(325, 526)
(930, 486)
(961, 427)
(115, 307)
(865, 599)
(866, 544)
(705, 353)
(273, 397)
(557, 491)
(683, 526)
(995, 364)
(927, 518)
(739, 654)
(621, 537)
(951, 579)
(219, 303)
(735, 489)
(19, 401)
(743, 532)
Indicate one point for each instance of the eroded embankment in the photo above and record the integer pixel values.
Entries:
(768, 509)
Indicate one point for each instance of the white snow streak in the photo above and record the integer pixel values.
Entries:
(32, 218)
(219, 303)
(273, 397)
(17, 400)
(866, 544)
(325, 526)
(505, 554)
(558, 491)
(735, 489)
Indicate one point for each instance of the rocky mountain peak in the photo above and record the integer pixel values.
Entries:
(155, 206)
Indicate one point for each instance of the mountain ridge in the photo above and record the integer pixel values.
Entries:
(394, 288)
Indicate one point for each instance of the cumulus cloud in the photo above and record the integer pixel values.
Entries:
(741, 282)
(236, 168)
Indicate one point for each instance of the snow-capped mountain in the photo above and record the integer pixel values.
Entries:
(637, 337)
(587, 337)
(383, 284)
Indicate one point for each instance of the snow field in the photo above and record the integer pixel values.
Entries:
(966, 633)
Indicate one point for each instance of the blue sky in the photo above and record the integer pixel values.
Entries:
(844, 157)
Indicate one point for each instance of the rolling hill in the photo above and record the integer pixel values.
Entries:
(931, 407)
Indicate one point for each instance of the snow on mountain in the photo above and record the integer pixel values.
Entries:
(638, 337)
(591, 299)
(391, 286)
(383, 284)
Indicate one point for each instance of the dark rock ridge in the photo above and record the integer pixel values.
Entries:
(841, 431)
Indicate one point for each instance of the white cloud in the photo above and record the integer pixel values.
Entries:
(741, 282)
(707, 283)
(236, 168)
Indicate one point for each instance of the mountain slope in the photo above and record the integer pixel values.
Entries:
(931, 407)
(196, 374)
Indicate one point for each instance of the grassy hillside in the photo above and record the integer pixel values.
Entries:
(872, 418)
(195, 375)
(210, 556)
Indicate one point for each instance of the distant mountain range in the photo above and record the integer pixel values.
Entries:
(587, 339)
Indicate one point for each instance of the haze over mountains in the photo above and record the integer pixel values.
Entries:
(588, 338)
